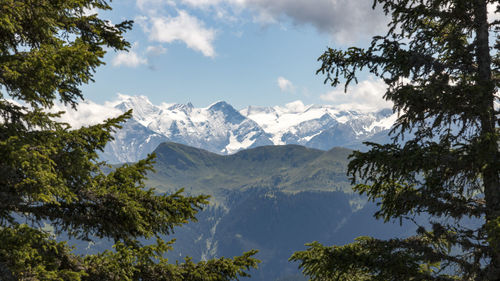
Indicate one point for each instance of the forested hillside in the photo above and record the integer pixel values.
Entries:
(272, 198)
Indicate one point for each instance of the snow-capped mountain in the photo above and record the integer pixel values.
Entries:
(133, 142)
(319, 126)
(222, 129)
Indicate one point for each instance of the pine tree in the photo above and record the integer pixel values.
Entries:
(51, 174)
(442, 74)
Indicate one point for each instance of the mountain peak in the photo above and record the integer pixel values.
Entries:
(134, 99)
(179, 106)
(219, 104)
(231, 115)
(220, 128)
(141, 106)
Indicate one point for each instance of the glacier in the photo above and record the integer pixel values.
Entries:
(222, 129)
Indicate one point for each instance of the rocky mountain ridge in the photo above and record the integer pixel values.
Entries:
(222, 129)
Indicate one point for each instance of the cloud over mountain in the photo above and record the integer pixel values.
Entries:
(87, 113)
(365, 96)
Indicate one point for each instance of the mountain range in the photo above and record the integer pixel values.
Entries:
(222, 129)
(271, 198)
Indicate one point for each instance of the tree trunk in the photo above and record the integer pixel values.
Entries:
(489, 140)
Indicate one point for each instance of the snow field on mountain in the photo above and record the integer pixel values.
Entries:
(222, 129)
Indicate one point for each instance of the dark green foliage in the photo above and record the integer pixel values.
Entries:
(50, 173)
(436, 59)
(148, 263)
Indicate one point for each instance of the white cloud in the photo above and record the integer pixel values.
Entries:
(87, 113)
(365, 96)
(225, 15)
(155, 50)
(129, 59)
(91, 113)
(152, 5)
(345, 20)
(285, 84)
(492, 13)
(205, 3)
(295, 106)
(142, 21)
(184, 28)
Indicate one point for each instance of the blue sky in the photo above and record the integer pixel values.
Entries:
(246, 52)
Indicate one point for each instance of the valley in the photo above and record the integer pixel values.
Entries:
(271, 198)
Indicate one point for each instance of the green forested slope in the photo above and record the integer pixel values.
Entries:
(272, 198)
(289, 168)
